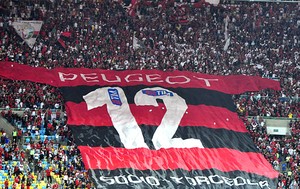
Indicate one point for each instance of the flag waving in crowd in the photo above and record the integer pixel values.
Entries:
(137, 44)
(64, 36)
(28, 30)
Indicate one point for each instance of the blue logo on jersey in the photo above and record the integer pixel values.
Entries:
(114, 97)
(157, 92)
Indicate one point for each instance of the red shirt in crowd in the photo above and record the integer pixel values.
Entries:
(55, 186)
(48, 172)
(6, 183)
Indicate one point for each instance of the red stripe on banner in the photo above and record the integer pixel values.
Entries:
(200, 115)
(222, 159)
(233, 84)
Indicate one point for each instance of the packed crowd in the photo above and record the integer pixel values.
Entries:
(41, 154)
(283, 152)
(28, 95)
(242, 38)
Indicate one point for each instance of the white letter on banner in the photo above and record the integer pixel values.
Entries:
(70, 76)
(151, 79)
(108, 180)
(105, 79)
(130, 75)
(134, 179)
(91, 77)
(177, 180)
(191, 181)
(119, 179)
(211, 178)
(207, 83)
(155, 183)
(177, 82)
(237, 183)
(227, 181)
(264, 184)
(251, 183)
(201, 179)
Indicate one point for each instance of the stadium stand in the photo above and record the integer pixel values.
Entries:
(261, 39)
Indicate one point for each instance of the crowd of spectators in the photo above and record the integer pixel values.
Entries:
(261, 39)
(41, 154)
(28, 95)
(283, 152)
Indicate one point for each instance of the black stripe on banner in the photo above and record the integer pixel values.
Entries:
(106, 136)
(193, 96)
(179, 179)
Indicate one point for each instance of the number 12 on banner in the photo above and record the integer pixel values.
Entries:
(124, 122)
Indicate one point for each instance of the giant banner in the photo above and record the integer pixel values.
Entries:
(154, 129)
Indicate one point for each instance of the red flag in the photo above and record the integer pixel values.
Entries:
(132, 7)
(66, 34)
(61, 42)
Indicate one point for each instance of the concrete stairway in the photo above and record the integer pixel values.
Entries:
(8, 128)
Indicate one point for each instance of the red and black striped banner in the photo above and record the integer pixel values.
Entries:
(153, 129)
